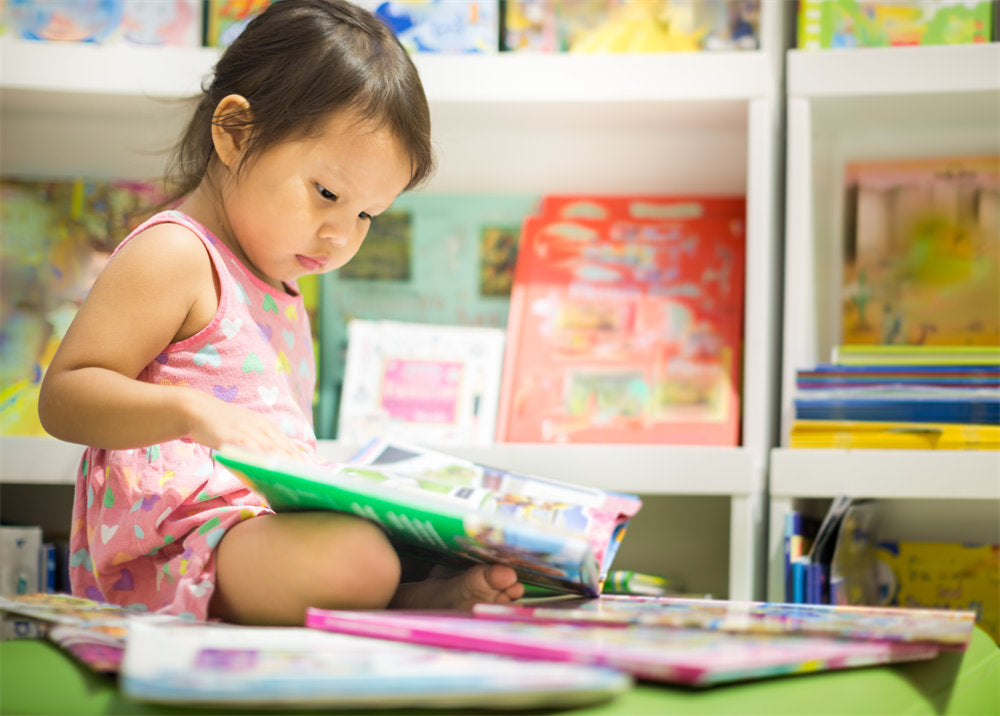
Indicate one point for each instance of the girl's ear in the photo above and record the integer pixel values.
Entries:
(232, 123)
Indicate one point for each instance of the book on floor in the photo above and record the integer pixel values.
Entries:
(206, 665)
(690, 656)
(946, 628)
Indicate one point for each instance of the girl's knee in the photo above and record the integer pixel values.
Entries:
(364, 566)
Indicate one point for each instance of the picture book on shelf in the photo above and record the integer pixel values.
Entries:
(922, 252)
(57, 236)
(421, 383)
(945, 628)
(693, 657)
(441, 25)
(833, 24)
(625, 330)
(450, 510)
(137, 22)
(217, 665)
(942, 575)
(630, 25)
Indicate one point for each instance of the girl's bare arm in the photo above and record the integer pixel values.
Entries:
(158, 289)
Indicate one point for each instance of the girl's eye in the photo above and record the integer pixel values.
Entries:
(326, 193)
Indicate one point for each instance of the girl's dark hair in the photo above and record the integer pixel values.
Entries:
(297, 62)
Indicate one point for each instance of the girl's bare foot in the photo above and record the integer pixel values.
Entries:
(446, 589)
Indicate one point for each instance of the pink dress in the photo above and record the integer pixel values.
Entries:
(146, 521)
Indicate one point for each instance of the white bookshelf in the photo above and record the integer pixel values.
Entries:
(858, 104)
(686, 122)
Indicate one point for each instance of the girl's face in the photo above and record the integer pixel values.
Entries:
(304, 206)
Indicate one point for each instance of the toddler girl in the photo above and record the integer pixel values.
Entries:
(194, 336)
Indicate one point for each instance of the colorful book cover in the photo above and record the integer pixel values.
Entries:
(922, 252)
(93, 633)
(141, 22)
(631, 25)
(693, 657)
(213, 665)
(442, 26)
(226, 19)
(163, 23)
(625, 331)
(945, 628)
(445, 509)
(825, 24)
(423, 383)
(57, 236)
(942, 575)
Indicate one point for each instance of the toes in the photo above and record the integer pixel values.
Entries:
(500, 577)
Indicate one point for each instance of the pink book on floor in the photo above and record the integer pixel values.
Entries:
(948, 629)
(694, 657)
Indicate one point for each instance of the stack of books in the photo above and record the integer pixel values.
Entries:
(900, 397)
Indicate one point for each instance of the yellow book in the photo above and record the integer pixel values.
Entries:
(916, 355)
(942, 575)
(893, 435)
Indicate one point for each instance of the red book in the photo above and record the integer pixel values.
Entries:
(626, 330)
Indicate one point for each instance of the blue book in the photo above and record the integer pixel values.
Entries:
(800, 580)
(971, 410)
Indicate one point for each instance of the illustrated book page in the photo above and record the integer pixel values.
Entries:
(447, 509)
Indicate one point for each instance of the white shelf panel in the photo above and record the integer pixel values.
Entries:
(98, 70)
(880, 71)
(121, 69)
(39, 461)
(601, 78)
(539, 122)
(640, 468)
(898, 474)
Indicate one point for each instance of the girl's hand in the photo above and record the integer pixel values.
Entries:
(215, 423)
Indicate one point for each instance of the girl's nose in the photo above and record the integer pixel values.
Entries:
(336, 236)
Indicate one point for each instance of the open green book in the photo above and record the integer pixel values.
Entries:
(448, 510)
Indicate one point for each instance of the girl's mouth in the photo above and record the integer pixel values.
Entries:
(311, 263)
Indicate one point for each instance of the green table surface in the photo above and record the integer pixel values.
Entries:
(36, 677)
